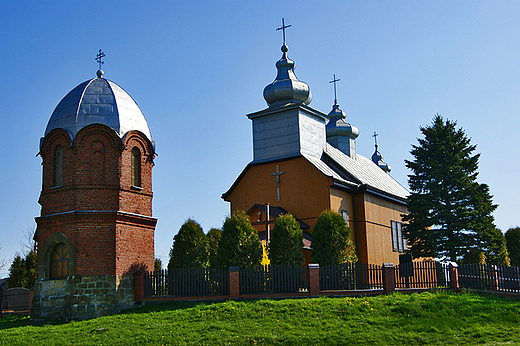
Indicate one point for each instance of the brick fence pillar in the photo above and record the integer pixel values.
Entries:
(139, 286)
(389, 278)
(454, 276)
(234, 282)
(314, 279)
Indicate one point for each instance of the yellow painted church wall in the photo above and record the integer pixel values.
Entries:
(341, 200)
(303, 189)
(378, 215)
(306, 192)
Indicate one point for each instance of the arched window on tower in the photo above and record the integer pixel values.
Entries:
(58, 166)
(59, 265)
(136, 167)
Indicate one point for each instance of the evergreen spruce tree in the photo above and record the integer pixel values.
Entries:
(157, 265)
(213, 238)
(22, 271)
(189, 248)
(331, 242)
(286, 245)
(513, 245)
(239, 244)
(449, 212)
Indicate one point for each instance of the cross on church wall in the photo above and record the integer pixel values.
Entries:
(277, 174)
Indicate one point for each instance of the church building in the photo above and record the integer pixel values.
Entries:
(305, 161)
(96, 227)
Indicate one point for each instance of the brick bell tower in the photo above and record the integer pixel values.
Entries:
(96, 227)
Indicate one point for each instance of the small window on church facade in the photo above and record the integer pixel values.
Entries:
(345, 216)
(136, 167)
(398, 241)
(58, 166)
(59, 264)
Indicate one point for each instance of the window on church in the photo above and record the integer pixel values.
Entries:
(58, 166)
(136, 167)
(59, 266)
(398, 241)
(345, 216)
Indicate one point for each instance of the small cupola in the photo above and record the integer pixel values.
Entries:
(377, 157)
(341, 134)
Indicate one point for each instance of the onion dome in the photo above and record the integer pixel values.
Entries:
(337, 125)
(377, 158)
(98, 101)
(286, 88)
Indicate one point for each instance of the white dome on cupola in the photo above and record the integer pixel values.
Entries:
(98, 101)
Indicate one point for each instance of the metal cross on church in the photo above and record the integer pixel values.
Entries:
(283, 27)
(100, 56)
(277, 175)
(335, 81)
(375, 137)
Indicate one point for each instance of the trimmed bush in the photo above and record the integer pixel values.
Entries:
(331, 242)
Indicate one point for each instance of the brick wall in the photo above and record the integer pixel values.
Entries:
(106, 222)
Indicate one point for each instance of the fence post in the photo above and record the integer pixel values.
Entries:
(493, 277)
(234, 282)
(454, 276)
(314, 279)
(389, 278)
(139, 286)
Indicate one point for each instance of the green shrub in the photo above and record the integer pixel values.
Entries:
(513, 245)
(213, 238)
(331, 242)
(189, 248)
(239, 244)
(286, 242)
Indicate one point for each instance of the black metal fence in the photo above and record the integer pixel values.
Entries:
(186, 282)
(427, 274)
(489, 277)
(340, 277)
(274, 278)
(351, 276)
(15, 299)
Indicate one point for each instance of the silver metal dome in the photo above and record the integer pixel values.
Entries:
(286, 88)
(377, 158)
(98, 101)
(337, 125)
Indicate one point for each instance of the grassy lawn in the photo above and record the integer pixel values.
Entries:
(417, 319)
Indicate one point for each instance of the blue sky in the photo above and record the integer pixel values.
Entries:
(196, 68)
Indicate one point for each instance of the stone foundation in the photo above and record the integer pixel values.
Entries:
(80, 298)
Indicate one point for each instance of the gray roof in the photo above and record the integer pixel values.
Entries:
(359, 171)
(98, 101)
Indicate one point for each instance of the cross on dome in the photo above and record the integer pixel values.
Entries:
(283, 27)
(375, 137)
(99, 56)
(334, 81)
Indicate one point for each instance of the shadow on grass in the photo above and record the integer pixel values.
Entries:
(167, 306)
(13, 321)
